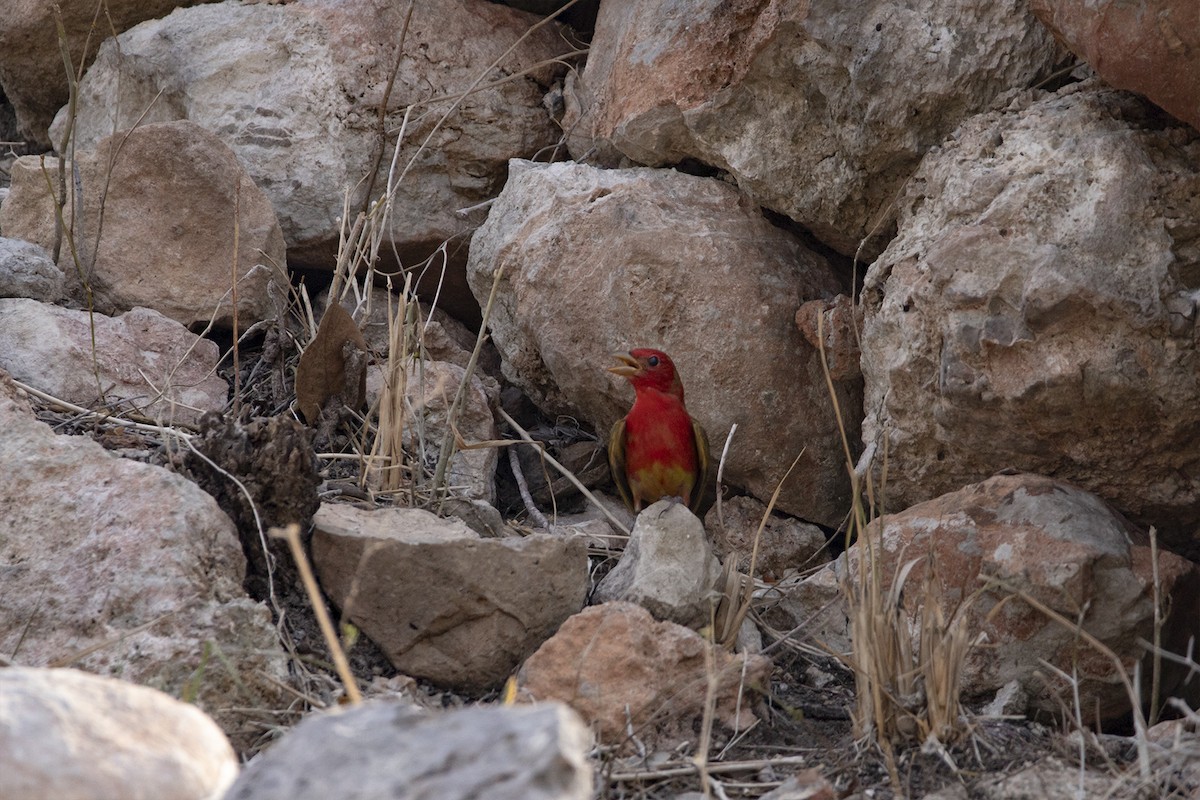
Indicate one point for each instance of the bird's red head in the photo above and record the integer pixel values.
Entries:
(649, 369)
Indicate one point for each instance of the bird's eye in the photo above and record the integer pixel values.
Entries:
(652, 361)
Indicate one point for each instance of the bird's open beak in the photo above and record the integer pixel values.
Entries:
(628, 368)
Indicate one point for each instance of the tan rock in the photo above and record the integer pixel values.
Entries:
(295, 90)
(1150, 48)
(442, 603)
(68, 734)
(126, 569)
(1038, 311)
(600, 261)
(819, 110)
(1032, 537)
(617, 666)
(31, 58)
(145, 362)
(156, 226)
(785, 544)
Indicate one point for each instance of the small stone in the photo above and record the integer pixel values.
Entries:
(667, 567)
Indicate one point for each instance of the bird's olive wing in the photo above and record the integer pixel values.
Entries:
(701, 440)
(616, 462)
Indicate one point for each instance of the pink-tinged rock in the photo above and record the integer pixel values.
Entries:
(617, 666)
(601, 261)
(156, 226)
(1152, 47)
(68, 734)
(143, 362)
(820, 109)
(128, 570)
(1037, 310)
(295, 90)
(32, 72)
(1015, 535)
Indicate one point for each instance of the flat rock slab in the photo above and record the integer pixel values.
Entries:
(388, 750)
(68, 734)
(441, 602)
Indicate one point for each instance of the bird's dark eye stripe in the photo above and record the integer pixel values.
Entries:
(652, 361)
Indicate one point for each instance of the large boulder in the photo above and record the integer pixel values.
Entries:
(296, 90)
(159, 211)
(991, 548)
(127, 570)
(1152, 47)
(590, 262)
(1037, 310)
(32, 73)
(820, 109)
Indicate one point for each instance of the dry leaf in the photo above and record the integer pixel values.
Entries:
(321, 373)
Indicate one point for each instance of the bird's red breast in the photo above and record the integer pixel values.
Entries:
(657, 450)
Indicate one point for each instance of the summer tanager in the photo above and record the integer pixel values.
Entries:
(658, 450)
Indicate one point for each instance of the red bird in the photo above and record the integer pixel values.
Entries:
(658, 450)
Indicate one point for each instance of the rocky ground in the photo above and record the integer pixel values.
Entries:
(355, 271)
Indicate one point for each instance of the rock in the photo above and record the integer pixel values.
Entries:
(430, 389)
(27, 270)
(295, 90)
(67, 734)
(145, 362)
(31, 58)
(389, 750)
(1152, 49)
(1040, 538)
(441, 602)
(617, 666)
(820, 111)
(126, 569)
(833, 326)
(137, 186)
(668, 567)
(1038, 316)
(786, 544)
(599, 261)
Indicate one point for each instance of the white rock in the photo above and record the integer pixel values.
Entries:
(668, 567)
(68, 735)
